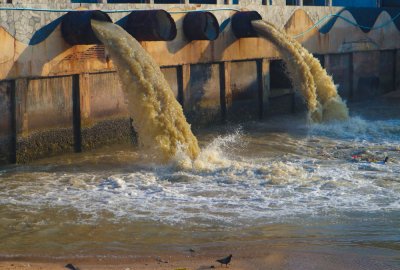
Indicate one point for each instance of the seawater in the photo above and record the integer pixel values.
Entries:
(280, 180)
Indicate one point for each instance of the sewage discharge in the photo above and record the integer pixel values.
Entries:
(157, 116)
(307, 74)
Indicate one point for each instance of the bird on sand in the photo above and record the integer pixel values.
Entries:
(225, 260)
(71, 267)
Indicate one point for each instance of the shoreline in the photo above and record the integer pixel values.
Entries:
(255, 256)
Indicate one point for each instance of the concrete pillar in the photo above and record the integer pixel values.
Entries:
(328, 3)
(365, 75)
(397, 70)
(21, 115)
(76, 113)
(225, 88)
(7, 122)
(299, 2)
(84, 93)
(220, 2)
(185, 84)
(263, 77)
(226, 98)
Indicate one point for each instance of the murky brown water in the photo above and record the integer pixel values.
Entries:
(279, 181)
(157, 116)
(308, 76)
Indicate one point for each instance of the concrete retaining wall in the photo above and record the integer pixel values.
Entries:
(55, 98)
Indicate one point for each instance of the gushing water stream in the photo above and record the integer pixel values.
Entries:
(308, 76)
(157, 116)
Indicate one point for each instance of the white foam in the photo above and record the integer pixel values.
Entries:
(222, 187)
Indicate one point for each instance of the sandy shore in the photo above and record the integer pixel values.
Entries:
(244, 258)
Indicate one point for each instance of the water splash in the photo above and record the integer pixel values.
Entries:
(158, 117)
(317, 87)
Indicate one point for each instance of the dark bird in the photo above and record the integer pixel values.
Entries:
(71, 266)
(385, 160)
(225, 261)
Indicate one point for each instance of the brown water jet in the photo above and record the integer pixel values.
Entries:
(157, 116)
(307, 74)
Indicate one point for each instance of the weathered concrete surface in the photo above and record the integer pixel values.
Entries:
(244, 88)
(282, 102)
(387, 70)
(281, 99)
(43, 117)
(340, 66)
(171, 74)
(69, 98)
(202, 96)
(366, 75)
(48, 54)
(397, 70)
(104, 114)
(6, 123)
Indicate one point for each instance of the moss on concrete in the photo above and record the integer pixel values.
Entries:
(107, 132)
(44, 143)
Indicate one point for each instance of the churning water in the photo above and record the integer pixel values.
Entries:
(308, 76)
(283, 180)
(157, 116)
(322, 184)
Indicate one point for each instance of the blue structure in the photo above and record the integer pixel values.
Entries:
(355, 3)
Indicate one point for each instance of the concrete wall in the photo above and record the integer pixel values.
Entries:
(6, 122)
(366, 75)
(243, 97)
(57, 98)
(103, 111)
(340, 66)
(43, 117)
(202, 104)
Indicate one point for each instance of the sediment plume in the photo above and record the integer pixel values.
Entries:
(320, 93)
(157, 116)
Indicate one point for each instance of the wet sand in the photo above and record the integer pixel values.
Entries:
(253, 256)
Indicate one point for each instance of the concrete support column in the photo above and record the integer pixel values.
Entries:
(328, 3)
(263, 78)
(299, 2)
(7, 122)
(84, 93)
(185, 85)
(220, 2)
(225, 88)
(77, 100)
(21, 115)
(397, 70)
